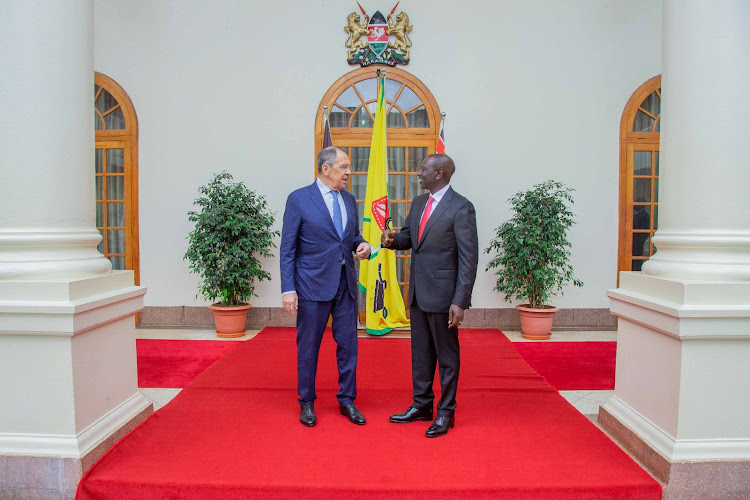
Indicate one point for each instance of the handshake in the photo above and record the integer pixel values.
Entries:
(386, 239)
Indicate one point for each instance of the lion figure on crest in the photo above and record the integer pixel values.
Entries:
(355, 31)
(400, 30)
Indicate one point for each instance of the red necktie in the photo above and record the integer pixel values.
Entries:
(425, 217)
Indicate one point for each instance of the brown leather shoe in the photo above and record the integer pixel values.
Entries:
(440, 426)
(307, 415)
(412, 414)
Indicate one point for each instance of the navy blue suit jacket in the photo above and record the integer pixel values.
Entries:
(311, 250)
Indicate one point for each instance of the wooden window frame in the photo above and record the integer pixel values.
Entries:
(631, 142)
(127, 140)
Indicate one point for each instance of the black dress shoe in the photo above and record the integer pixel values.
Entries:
(440, 426)
(307, 415)
(354, 415)
(412, 415)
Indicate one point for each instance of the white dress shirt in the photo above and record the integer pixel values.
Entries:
(436, 197)
(328, 198)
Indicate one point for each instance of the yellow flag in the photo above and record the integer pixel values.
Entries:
(384, 309)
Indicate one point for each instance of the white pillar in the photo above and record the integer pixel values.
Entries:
(47, 226)
(682, 385)
(68, 380)
(704, 212)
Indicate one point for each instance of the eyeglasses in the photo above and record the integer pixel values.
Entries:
(343, 167)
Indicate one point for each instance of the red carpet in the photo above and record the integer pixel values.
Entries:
(174, 363)
(571, 366)
(234, 433)
(566, 366)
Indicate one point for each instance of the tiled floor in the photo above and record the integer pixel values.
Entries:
(587, 402)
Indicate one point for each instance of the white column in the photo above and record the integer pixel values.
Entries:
(704, 212)
(683, 382)
(47, 216)
(68, 379)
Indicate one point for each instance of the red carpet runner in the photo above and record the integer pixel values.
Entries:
(174, 363)
(572, 366)
(567, 366)
(234, 433)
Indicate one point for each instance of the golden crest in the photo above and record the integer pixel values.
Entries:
(387, 41)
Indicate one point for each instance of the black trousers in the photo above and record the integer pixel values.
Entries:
(433, 343)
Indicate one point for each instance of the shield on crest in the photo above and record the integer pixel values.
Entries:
(378, 33)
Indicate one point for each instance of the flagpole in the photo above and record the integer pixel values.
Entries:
(327, 136)
(389, 220)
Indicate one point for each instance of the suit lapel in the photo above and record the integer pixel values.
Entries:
(349, 213)
(318, 201)
(436, 213)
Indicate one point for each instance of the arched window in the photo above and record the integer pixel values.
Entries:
(639, 175)
(413, 123)
(116, 153)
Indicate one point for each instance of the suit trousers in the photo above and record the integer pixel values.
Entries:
(312, 317)
(432, 342)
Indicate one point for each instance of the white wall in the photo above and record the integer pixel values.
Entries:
(532, 90)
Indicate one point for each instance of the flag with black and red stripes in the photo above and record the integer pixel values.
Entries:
(441, 137)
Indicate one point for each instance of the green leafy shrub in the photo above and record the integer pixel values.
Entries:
(232, 229)
(533, 251)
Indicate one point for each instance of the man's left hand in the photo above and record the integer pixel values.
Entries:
(363, 250)
(455, 316)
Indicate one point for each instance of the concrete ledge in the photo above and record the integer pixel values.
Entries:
(505, 318)
(40, 477)
(718, 480)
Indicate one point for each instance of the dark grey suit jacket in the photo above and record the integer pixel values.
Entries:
(444, 263)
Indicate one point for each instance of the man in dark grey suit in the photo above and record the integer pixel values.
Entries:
(441, 231)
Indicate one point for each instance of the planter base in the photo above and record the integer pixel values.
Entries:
(230, 335)
(536, 337)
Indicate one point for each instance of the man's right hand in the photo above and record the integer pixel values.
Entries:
(386, 239)
(289, 300)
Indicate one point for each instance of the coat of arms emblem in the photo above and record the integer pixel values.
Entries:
(378, 49)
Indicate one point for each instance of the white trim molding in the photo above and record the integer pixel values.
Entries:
(672, 449)
(75, 445)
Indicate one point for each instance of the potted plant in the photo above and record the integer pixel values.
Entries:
(533, 254)
(232, 230)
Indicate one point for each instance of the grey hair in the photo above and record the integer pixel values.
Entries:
(327, 156)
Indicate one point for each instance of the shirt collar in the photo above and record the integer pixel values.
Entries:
(323, 188)
(439, 195)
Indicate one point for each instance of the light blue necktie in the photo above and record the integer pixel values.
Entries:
(337, 220)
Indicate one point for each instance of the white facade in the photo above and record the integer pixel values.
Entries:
(532, 90)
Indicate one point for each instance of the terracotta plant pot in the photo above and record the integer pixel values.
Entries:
(230, 321)
(536, 324)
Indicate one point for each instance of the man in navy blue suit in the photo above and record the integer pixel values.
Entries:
(320, 232)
